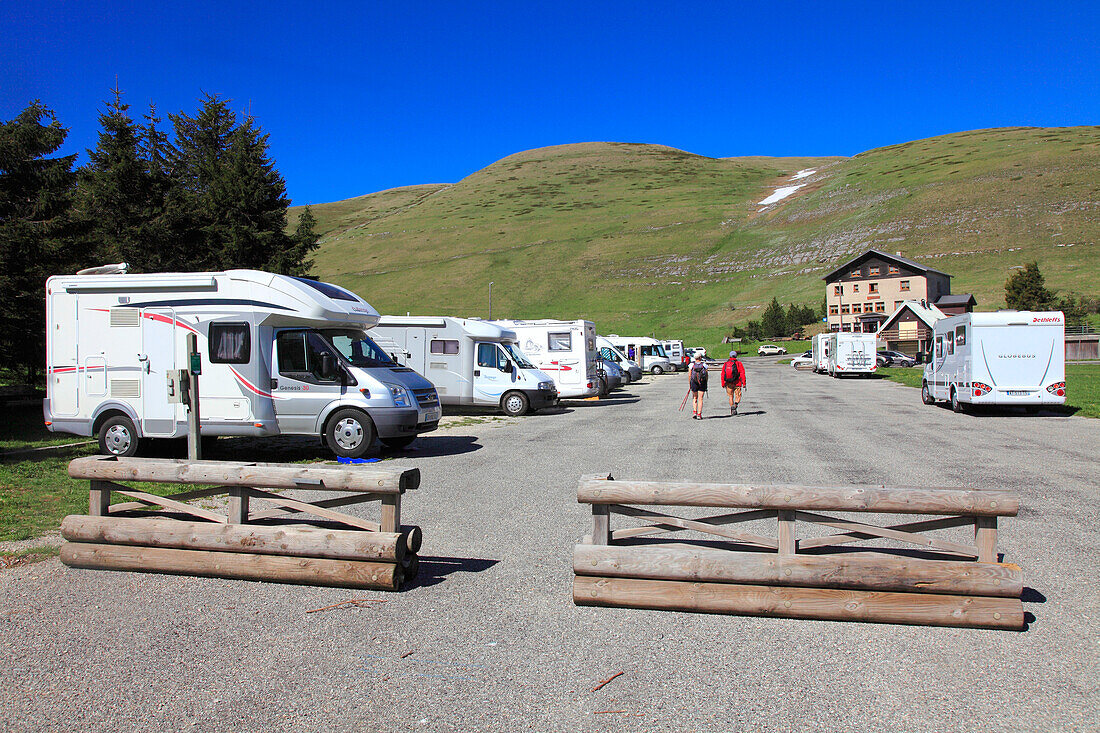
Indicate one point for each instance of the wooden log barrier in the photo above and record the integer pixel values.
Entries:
(953, 583)
(235, 565)
(295, 540)
(805, 603)
(856, 571)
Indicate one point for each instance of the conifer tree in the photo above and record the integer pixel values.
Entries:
(1026, 290)
(35, 232)
(773, 322)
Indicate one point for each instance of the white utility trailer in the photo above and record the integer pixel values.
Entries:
(280, 355)
(470, 361)
(1015, 358)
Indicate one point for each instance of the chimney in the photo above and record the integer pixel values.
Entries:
(898, 254)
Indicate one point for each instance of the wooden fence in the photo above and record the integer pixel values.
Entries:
(246, 542)
(954, 584)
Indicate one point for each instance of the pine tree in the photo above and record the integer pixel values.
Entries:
(773, 322)
(1025, 290)
(35, 232)
(296, 259)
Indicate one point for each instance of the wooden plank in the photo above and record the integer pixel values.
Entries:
(671, 522)
(391, 513)
(295, 540)
(885, 532)
(786, 535)
(905, 500)
(324, 504)
(99, 498)
(235, 565)
(388, 480)
(305, 506)
(238, 505)
(985, 537)
(735, 518)
(182, 496)
(926, 525)
(601, 524)
(807, 603)
(861, 571)
(179, 506)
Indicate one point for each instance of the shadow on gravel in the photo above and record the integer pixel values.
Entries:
(434, 570)
(603, 401)
(740, 414)
(427, 446)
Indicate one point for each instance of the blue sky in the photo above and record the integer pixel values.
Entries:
(362, 96)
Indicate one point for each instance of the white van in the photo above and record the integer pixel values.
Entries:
(646, 351)
(470, 361)
(280, 355)
(677, 355)
(819, 350)
(566, 350)
(1002, 358)
(610, 352)
(851, 353)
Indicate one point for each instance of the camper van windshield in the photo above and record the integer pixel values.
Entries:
(330, 290)
(358, 349)
(521, 361)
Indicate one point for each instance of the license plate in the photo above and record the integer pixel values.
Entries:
(432, 415)
(1018, 393)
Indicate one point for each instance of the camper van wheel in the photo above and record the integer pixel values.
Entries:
(514, 404)
(955, 404)
(350, 433)
(118, 437)
(657, 370)
(926, 395)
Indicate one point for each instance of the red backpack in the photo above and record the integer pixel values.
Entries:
(729, 373)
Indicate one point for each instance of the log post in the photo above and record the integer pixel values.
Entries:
(391, 513)
(238, 505)
(787, 545)
(985, 537)
(99, 498)
(601, 524)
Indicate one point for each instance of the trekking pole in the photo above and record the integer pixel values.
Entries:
(685, 400)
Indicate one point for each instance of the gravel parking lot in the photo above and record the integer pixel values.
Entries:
(489, 638)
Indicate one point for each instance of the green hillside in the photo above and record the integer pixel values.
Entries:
(645, 238)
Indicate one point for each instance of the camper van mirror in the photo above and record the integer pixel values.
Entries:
(506, 367)
(328, 366)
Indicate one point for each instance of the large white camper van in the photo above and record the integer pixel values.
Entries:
(677, 355)
(820, 352)
(470, 361)
(566, 350)
(610, 352)
(280, 355)
(851, 353)
(1002, 358)
(646, 351)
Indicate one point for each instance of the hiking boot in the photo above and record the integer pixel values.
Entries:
(733, 410)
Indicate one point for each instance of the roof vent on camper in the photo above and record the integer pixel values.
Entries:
(120, 268)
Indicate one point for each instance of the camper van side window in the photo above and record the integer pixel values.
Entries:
(299, 354)
(444, 346)
(949, 340)
(939, 347)
(490, 357)
(608, 354)
(960, 336)
(229, 343)
(559, 341)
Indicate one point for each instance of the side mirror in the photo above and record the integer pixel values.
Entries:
(328, 367)
(507, 368)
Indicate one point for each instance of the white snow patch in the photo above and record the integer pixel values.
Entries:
(803, 174)
(780, 194)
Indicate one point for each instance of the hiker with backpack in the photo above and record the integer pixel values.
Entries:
(697, 384)
(733, 379)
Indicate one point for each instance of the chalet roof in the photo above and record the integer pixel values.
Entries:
(887, 257)
(927, 313)
(954, 300)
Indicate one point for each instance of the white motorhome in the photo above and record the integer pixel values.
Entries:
(819, 350)
(280, 355)
(677, 355)
(851, 353)
(646, 351)
(566, 350)
(610, 352)
(470, 361)
(1003, 358)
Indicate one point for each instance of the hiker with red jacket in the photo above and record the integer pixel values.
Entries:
(697, 383)
(733, 379)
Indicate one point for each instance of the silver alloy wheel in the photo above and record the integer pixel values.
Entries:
(348, 434)
(513, 404)
(118, 439)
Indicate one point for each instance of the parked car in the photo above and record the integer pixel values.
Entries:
(896, 358)
(804, 360)
(770, 350)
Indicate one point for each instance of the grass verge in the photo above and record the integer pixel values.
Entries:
(27, 557)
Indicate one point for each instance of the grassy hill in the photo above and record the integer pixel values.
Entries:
(645, 238)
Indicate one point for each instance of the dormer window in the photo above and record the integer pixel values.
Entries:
(874, 270)
(857, 273)
(894, 270)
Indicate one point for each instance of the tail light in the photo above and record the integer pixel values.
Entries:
(980, 388)
(1058, 389)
